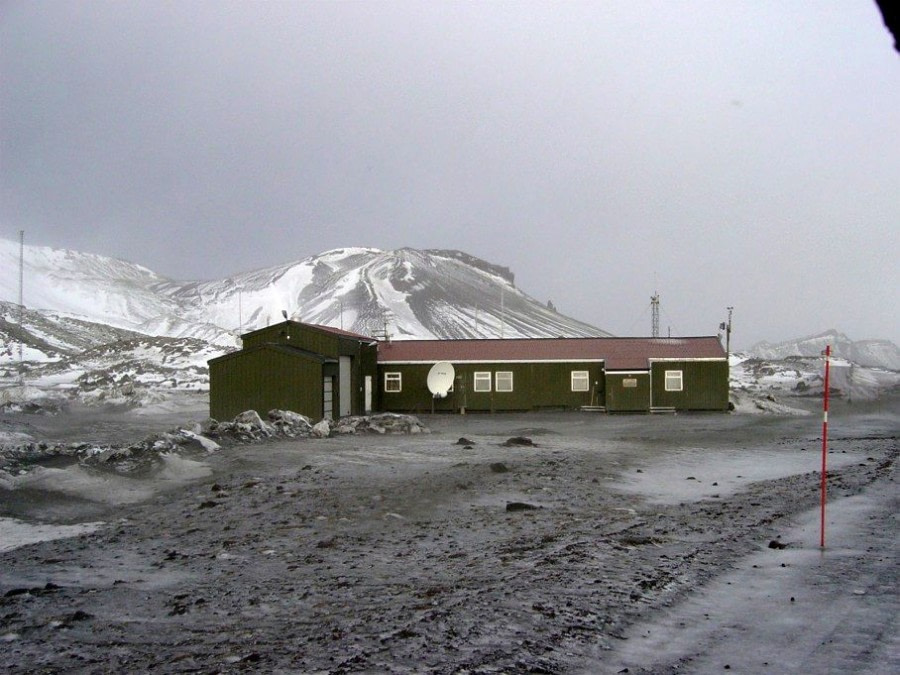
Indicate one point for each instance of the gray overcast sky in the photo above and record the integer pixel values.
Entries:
(726, 153)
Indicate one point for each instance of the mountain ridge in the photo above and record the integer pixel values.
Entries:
(432, 293)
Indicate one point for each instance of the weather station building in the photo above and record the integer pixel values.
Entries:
(321, 372)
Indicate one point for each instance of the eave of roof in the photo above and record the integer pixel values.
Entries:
(325, 329)
(278, 347)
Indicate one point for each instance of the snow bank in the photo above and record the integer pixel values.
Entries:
(749, 404)
(15, 533)
(693, 474)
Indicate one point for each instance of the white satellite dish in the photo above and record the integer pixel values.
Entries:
(440, 379)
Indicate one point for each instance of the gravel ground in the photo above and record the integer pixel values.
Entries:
(451, 552)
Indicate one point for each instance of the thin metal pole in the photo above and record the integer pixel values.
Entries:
(21, 305)
(824, 443)
(502, 314)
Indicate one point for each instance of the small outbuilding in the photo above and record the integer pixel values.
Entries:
(317, 371)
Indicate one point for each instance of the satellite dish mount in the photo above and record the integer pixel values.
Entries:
(440, 379)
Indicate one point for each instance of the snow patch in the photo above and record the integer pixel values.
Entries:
(16, 533)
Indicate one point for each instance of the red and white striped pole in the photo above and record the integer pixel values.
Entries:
(825, 442)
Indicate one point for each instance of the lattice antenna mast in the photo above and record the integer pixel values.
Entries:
(654, 315)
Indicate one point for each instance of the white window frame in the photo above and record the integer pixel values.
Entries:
(581, 376)
(390, 378)
(504, 373)
(482, 378)
(674, 380)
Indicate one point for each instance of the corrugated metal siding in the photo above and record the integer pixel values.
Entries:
(264, 379)
(535, 385)
(704, 385)
(620, 398)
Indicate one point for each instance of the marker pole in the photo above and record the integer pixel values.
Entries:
(824, 443)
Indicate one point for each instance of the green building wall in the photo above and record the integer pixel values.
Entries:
(265, 378)
(621, 397)
(704, 385)
(535, 386)
(283, 366)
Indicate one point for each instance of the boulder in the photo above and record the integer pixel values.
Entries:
(321, 429)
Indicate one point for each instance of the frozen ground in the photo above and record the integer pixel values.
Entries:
(647, 550)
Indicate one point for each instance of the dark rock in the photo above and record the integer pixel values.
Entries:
(465, 441)
(516, 441)
(499, 467)
(777, 544)
(77, 615)
(520, 506)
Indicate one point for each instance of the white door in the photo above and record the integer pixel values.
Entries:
(368, 386)
(344, 385)
(328, 397)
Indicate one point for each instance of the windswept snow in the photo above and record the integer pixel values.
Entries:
(16, 533)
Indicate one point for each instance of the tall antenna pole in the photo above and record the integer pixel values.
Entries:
(21, 305)
(728, 334)
(502, 313)
(654, 315)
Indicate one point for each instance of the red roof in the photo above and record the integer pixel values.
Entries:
(617, 353)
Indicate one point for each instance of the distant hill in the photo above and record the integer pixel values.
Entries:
(872, 353)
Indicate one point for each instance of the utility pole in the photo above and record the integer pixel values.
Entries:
(654, 315)
(502, 313)
(728, 334)
(21, 305)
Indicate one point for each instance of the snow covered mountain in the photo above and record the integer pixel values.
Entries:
(872, 353)
(95, 329)
(410, 293)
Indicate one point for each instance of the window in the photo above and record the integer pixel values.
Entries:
(580, 380)
(393, 382)
(482, 381)
(674, 381)
(504, 380)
